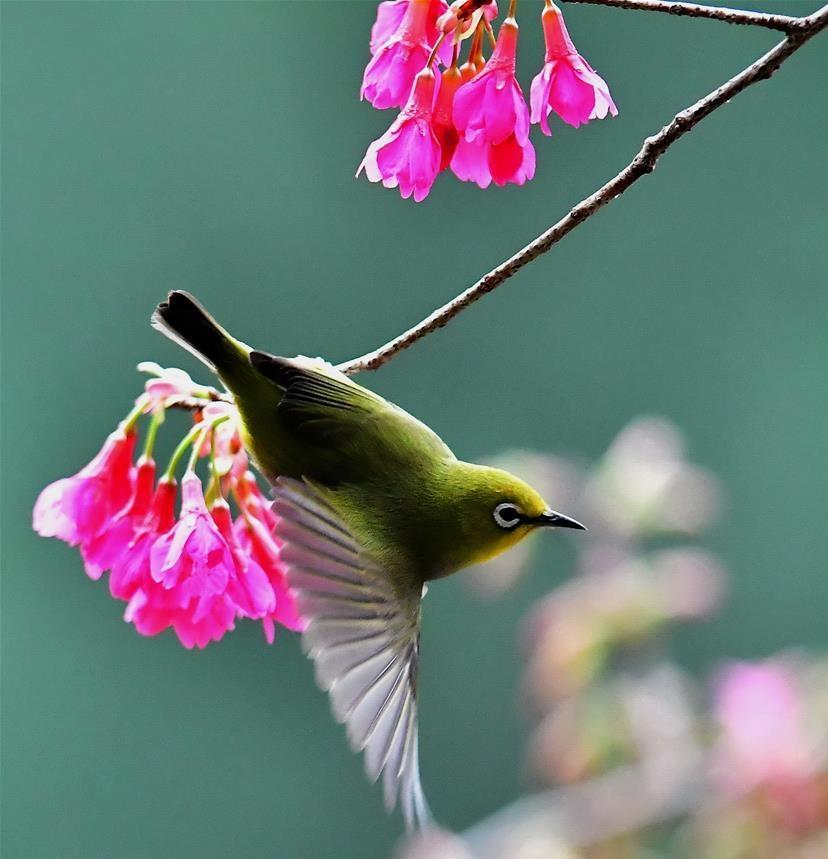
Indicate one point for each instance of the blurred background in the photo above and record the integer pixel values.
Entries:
(663, 370)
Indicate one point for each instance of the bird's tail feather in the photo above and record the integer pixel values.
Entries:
(184, 320)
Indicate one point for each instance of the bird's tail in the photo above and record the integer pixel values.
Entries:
(184, 320)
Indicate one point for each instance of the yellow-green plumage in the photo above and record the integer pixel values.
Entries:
(372, 505)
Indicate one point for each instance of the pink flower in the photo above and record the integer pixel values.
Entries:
(114, 541)
(249, 588)
(77, 509)
(251, 498)
(168, 382)
(131, 570)
(258, 541)
(390, 14)
(492, 118)
(764, 740)
(443, 124)
(191, 567)
(408, 154)
(397, 60)
(567, 83)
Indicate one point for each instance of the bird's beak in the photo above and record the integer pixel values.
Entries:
(558, 520)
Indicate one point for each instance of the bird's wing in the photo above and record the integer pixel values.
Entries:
(363, 635)
(328, 409)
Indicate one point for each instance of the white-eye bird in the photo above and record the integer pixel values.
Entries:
(371, 505)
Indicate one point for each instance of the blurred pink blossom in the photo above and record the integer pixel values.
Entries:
(764, 737)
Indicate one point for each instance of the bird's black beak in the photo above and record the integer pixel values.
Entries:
(558, 520)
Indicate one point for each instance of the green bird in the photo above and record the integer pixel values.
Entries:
(371, 505)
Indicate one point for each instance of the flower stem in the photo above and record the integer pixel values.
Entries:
(128, 423)
(434, 50)
(198, 444)
(214, 466)
(152, 432)
(185, 442)
(512, 8)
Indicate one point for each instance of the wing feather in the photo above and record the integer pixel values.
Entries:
(363, 636)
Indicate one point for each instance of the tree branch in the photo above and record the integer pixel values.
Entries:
(643, 163)
(785, 23)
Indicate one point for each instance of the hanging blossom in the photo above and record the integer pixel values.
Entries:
(492, 118)
(408, 154)
(471, 118)
(567, 84)
(198, 571)
(403, 53)
(472, 114)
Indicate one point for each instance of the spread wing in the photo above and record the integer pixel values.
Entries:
(363, 635)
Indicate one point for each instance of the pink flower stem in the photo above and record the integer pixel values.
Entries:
(455, 55)
(512, 9)
(489, 31)
(434, 50)
(476, 47)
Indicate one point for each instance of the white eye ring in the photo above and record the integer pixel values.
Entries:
(506, 521)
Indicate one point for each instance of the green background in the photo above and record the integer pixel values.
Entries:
(212, 147)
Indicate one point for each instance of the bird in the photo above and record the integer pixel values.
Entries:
(370, 505)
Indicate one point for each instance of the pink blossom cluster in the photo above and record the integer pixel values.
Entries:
(472, 118)
(191, 567)
(770, 747)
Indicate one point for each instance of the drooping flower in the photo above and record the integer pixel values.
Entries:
(764, 740)
(390, 15)
(114, 541)
(442, 121)
(492, 118)
(190, 570)
(250, 587)
(131, 570)
(77, 509)
(408, 154)
(567, 83)
(258, 541)
(389, 75)
(253, 500)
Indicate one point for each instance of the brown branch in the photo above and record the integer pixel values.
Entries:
(643, 163)
(785, 23)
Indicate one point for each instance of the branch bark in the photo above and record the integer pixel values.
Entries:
(802, 29)
(785, 23)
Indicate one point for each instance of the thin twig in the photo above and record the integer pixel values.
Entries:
(643, 163)
(785, 23)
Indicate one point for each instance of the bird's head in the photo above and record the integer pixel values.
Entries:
(498, 510)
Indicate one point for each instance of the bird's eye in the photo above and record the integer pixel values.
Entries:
(506, 515)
